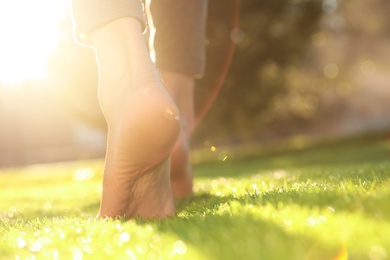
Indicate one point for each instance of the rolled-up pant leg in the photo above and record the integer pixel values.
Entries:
(180, 35)
(180, 28)
(91, 14)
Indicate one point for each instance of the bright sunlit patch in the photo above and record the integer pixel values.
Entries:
(35, 247)
(124, 237)
(83, 174)
(29, 33)
(47, 206)
(342, 255)
(180, 247)
(21, 242)
(377, 252)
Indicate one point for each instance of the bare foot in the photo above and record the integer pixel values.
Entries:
(143, 125)
(136, 176)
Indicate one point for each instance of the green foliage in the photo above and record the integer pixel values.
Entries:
(272, 36)
(312, 203)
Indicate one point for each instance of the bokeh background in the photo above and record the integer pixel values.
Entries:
(302, 68)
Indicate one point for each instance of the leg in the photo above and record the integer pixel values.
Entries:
(180, 56)
(143, 124)
(181, 88)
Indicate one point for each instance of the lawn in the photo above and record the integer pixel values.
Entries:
(311, 201)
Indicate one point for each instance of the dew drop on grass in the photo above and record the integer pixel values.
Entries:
(35, 247)
(56, 254)
(214, 183)
(156, 242)
(142, 249)
(108, 249)
(322, 219)
(87, 249)
(119, 227)
(124, 237)
(84, 240)
(180, 247)
(62, 235)
(21, 242)
(149, 228)
(311, 222)
(278, 174)
(77, 254)
(47, 206)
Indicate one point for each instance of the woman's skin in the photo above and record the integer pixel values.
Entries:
(181, 88)
(143, 125)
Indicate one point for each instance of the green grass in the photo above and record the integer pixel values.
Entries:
(317, 202)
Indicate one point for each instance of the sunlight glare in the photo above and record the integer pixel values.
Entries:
(152, 30)
(29, 34)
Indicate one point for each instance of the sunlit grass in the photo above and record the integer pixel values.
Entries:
(312, 203)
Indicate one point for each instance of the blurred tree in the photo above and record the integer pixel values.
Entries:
(273, 35)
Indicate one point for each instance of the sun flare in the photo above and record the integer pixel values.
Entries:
(29, 33)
